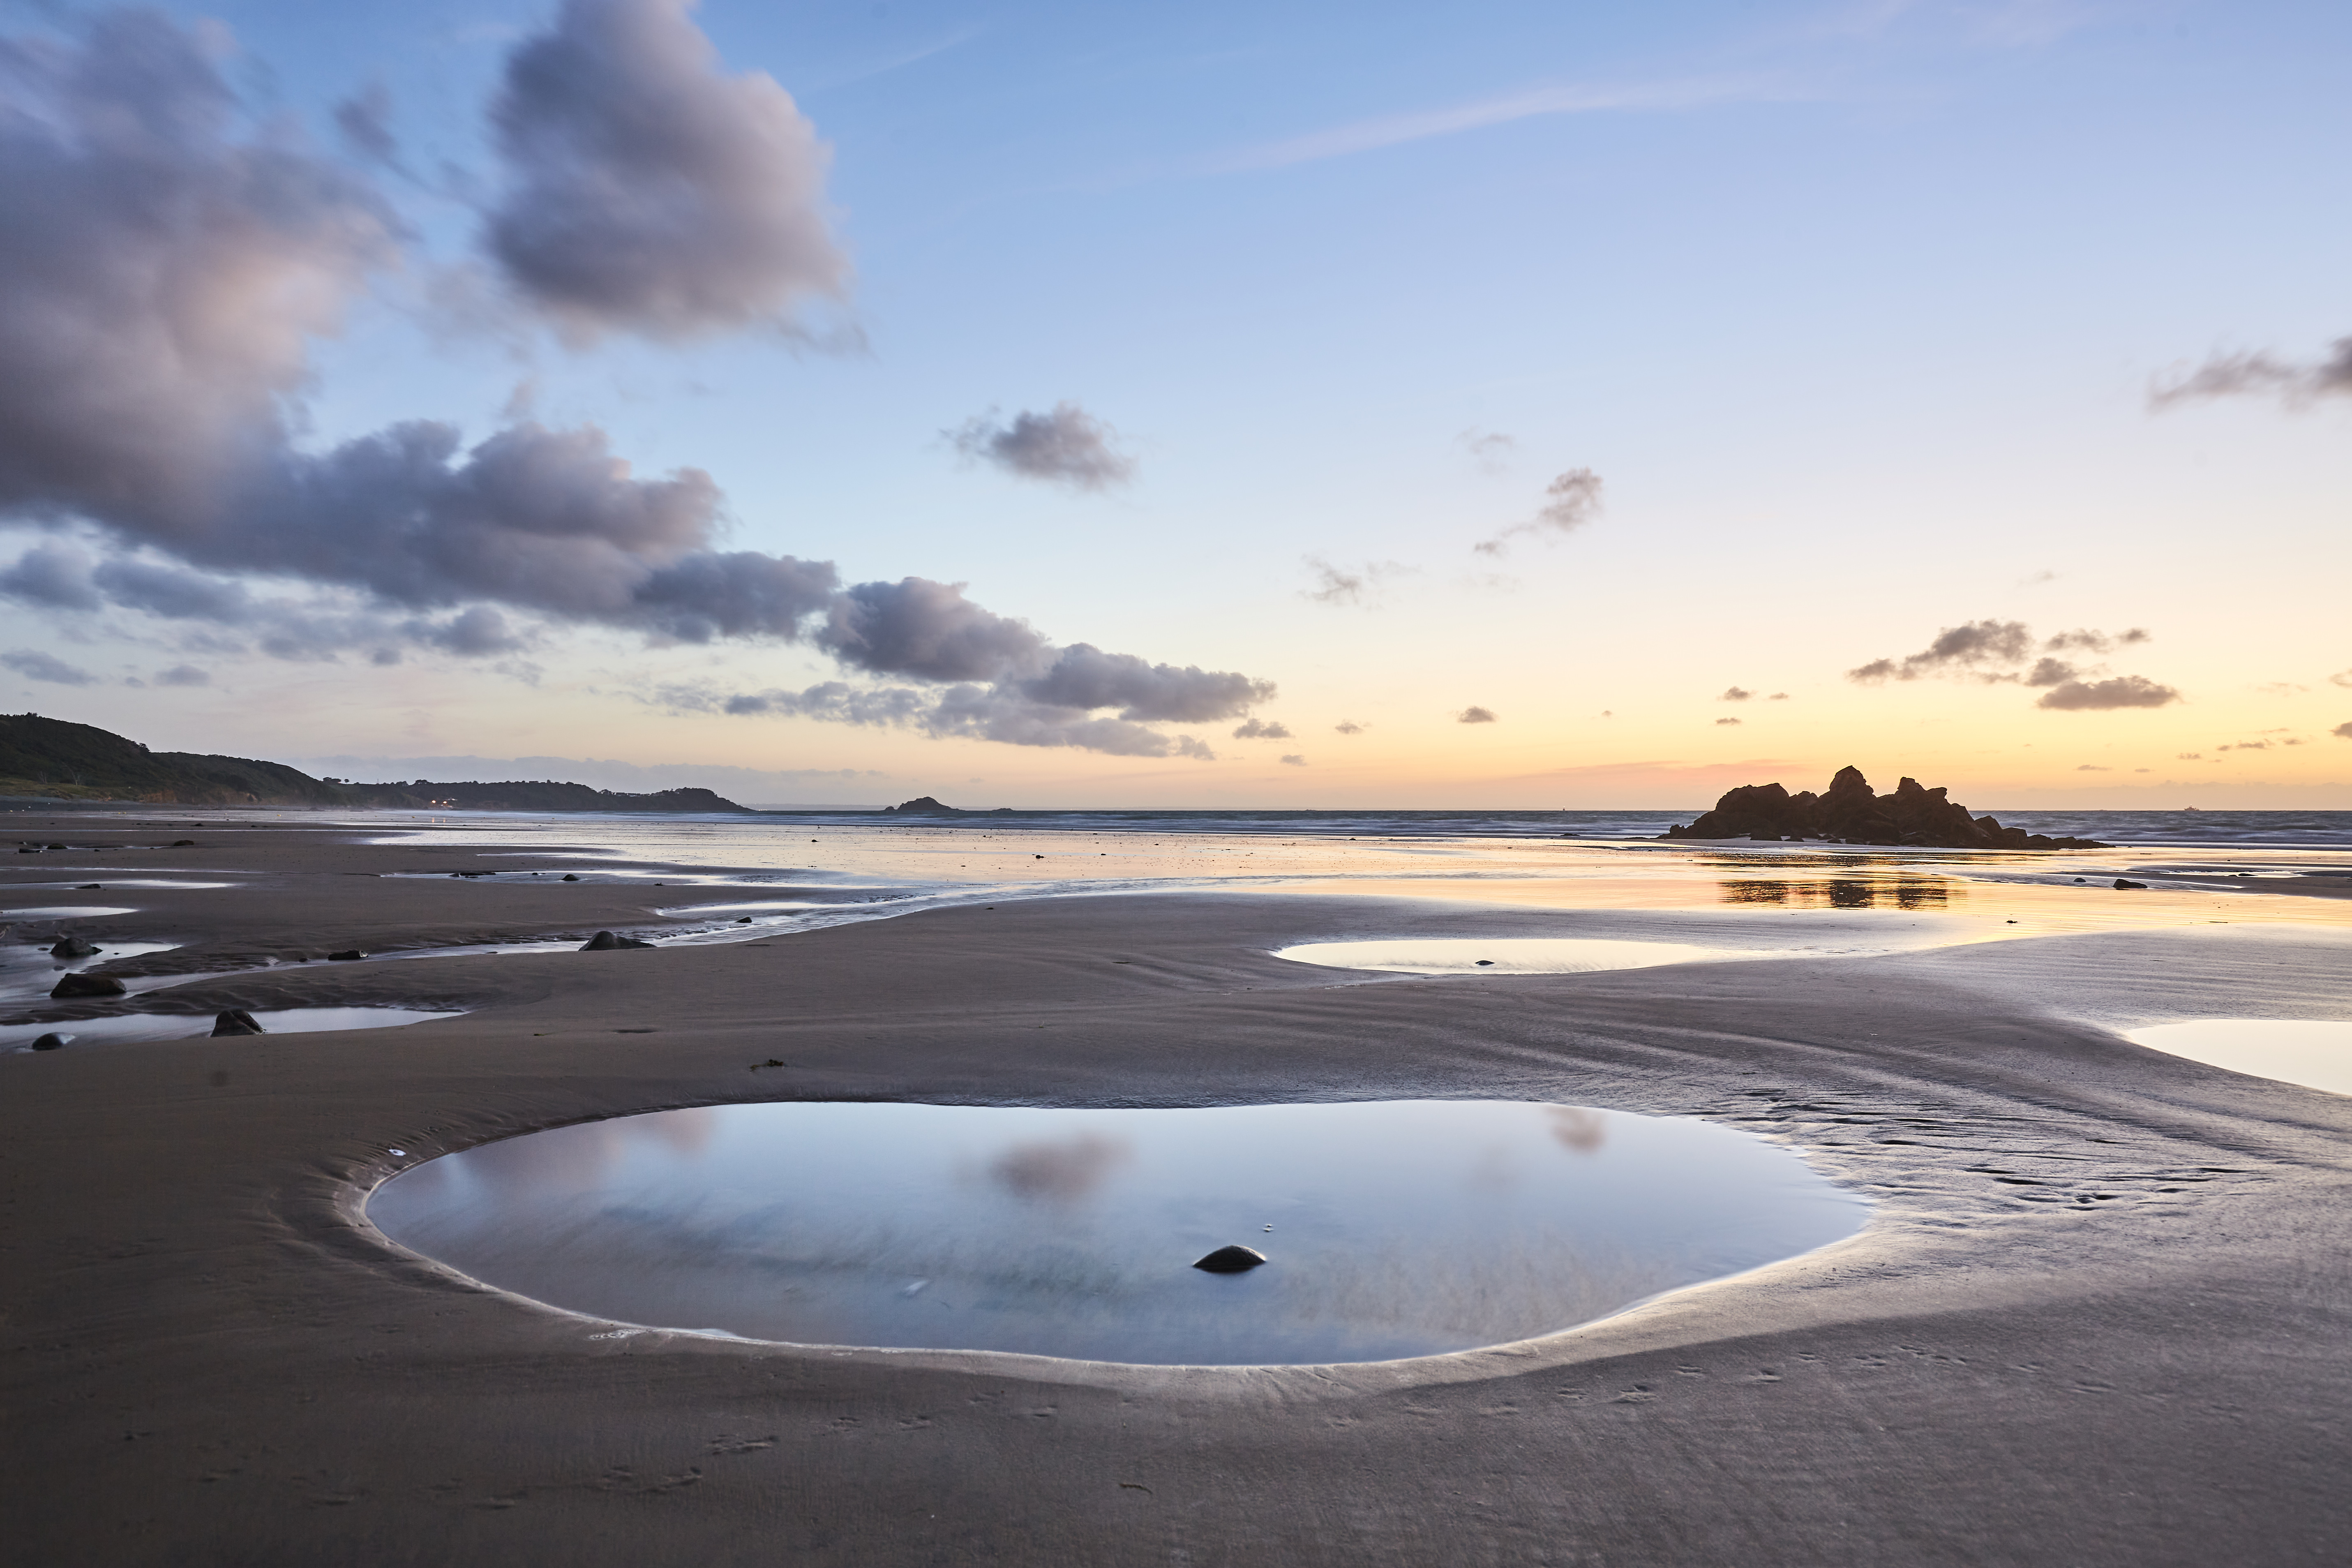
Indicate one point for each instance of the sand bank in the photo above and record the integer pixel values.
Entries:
(2099, 1316)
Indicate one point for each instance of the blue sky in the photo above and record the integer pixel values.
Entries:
(1854, 311)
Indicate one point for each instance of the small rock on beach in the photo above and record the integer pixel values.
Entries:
(88, 985)
(605, 941)
(1231, 1260)
(236, 1021)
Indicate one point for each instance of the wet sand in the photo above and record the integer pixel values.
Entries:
(2099, 1317)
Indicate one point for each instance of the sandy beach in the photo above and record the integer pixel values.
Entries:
(2098, 1315)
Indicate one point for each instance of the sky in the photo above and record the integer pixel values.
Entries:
(1498, 405)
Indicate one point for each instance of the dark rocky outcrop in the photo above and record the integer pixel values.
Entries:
(1231, 1260)
(236, 1021)
(1850, 813)
(349, 955)
(924, 806)
(73, 947)
(88, 985)
(51, 1042)
(605, 941)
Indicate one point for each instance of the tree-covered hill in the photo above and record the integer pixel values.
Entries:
(53, 759)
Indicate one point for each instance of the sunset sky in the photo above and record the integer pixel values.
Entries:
(1189, 406)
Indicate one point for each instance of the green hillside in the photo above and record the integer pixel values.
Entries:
(52, 759)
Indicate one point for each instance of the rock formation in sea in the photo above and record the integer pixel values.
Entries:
(924, 806)
(1850, 813)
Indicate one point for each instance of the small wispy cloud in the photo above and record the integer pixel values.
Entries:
(2239, 375)
(1491, 450)
(1068, 446)
(1476, 715)
(1570, 501)
(1342, 585)
(1532, 103)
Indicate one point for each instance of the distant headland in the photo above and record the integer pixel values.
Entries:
(1849, 813)
(50, 759)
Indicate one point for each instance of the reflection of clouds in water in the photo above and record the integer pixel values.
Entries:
(1061, 1170)
(680, 1131)
(1580, 1130)
(1496, 1169)
(575, 1158)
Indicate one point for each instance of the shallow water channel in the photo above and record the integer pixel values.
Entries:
(1390, 1228)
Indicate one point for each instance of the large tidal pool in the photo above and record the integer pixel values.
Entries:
(1390, 1228)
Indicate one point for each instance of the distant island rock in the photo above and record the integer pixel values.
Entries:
(50, 759)
(924, 806)
(1849, 813)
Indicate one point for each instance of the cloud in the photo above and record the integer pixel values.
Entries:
(1068, 447)
(2237, 376)
(1965, 648)
(161, 279)
(1734, 694)
(183, 675)
(1995, 652)
(1349, 727)
(1007, 712)
(2122, 691)
(2049, 672)
(2089, 641)
(2092, 768)
(2281, 688)
(365, 119)
(2189, 756)
(35, 664)
(1262, 729)
(1336, 586)
(167, 267)
(1778, 697)
(1575, 501)
(1491, 450)
(646, 190)
(1294, 760)
(1475, 715)
(2341, 677)
(2343, 732)
(1727, 720)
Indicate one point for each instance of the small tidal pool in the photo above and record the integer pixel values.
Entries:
(1390, 1228)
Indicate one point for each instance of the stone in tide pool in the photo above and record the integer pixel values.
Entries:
(72, 947)
(349, 955)
(51, 1042)
(88, 985)
(1231, 1260)
(605, 941)
(570, 877)
(2131, 886)
(236, 1021)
